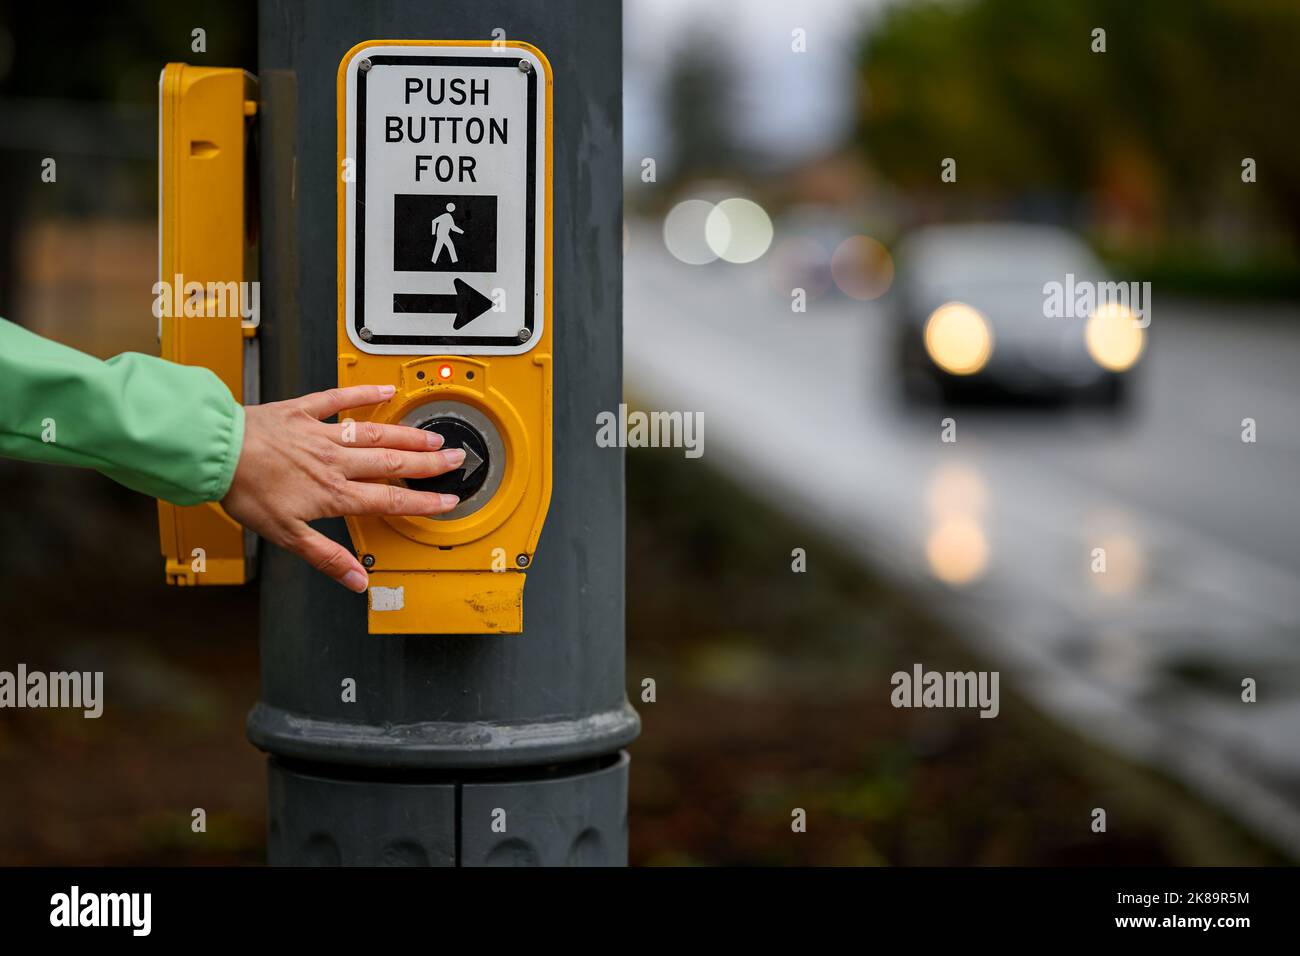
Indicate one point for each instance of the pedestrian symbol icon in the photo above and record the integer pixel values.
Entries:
(444, 233)
(443, 227)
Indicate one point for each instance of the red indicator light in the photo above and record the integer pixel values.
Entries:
(444, 371)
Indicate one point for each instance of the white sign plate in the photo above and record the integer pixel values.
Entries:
(445, 213)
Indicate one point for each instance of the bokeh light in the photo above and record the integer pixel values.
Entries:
(738, 230)
(957, 489)
(800, 262)
(958, 339)
(1115, 340)
(684, 232)
(1115, 532)
(862, 268)
(957, 550)
(1123, 574)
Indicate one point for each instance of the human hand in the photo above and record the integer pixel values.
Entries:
(294, 468)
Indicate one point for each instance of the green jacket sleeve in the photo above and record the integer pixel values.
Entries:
(170, 431)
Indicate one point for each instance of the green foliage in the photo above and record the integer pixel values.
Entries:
(1013, 90)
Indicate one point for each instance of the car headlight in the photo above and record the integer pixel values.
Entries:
(1115, 340)
(958, 339)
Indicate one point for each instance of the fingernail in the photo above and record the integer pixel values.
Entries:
(450, 501)
(434, 439)
(387, 390)
(454, 456)
(355, 581)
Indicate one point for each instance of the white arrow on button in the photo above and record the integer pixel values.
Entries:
(472, 462)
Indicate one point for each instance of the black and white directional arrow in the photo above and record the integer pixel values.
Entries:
(467, 303)
(472, 462)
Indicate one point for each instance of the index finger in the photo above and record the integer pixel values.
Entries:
(334, 400)
(378, 435)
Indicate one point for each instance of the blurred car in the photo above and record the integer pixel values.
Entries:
(974, 316)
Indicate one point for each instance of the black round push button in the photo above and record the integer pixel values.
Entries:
(469, 477)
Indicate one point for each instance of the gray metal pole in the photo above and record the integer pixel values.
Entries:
(447, 731)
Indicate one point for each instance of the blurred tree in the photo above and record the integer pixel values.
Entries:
(699, 104)
(1158, 124)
